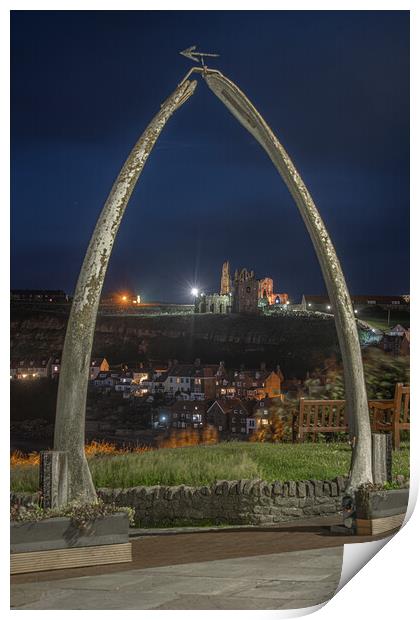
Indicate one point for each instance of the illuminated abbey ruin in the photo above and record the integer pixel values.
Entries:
(242, 294)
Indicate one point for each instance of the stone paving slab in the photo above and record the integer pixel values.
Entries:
(220, 602)
(257, 582)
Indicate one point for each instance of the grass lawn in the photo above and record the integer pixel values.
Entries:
(378, 318)
(199, 465)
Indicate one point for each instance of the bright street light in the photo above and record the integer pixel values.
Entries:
(194, 292)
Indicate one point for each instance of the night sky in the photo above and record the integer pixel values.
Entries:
(333, 86)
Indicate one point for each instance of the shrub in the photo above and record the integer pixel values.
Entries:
(80, 514)
(382, 373)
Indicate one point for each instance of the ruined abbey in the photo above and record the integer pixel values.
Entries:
(242, 294)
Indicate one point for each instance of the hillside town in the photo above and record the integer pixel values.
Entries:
(139, 403)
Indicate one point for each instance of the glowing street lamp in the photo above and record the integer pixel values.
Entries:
(194, 292)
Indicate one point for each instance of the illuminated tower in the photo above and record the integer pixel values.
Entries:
(225, 282)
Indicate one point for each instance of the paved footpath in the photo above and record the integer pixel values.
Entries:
(290, 566)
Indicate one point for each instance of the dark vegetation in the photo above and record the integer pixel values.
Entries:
(382, 372)
(33, 399)
(296, 343)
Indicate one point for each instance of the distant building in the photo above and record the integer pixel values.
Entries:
(190, 381)
(39, 295)
(322, 303)
(265, 292)
(187, 414)
(123, 384)
(122, 298)
(230, 415)
(30, 368)
(245, 294)
(97, 365)
(213, 303)
(105, 381)
(225, 281)
(250, 384)
(397, 341)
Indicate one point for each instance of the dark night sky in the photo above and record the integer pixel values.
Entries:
(334, 87)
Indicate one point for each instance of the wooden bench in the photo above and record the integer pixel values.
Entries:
(401, 419)
(330, 416)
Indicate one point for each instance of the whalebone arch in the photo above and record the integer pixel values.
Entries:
(71, 400)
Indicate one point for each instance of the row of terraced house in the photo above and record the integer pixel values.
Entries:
(228, 416)
(195, 382)
(199, 381)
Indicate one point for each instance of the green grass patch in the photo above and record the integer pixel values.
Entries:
(378, 317)
(200, 465)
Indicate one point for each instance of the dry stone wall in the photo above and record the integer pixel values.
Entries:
(236, 502)
(230, 501)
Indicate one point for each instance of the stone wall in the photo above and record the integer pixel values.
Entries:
(234, 502)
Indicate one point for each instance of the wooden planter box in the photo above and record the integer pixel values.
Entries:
(56, 543)
(380, 511)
